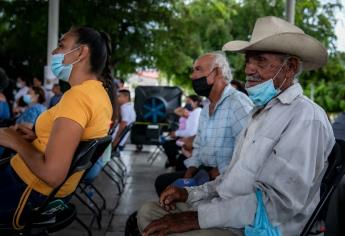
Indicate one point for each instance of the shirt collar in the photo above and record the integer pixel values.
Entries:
(126, 104)
(287, 96)
(228, 90)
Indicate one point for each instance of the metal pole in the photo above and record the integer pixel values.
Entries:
(290, 11)
(53, 31)
(53, 27)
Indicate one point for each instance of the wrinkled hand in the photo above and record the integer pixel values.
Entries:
(8, 138)
(213, 173)
(173, 223)
(171, 195)
(25, 132)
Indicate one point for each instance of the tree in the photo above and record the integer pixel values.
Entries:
(200, 26)
(168, 35)
(130, 23)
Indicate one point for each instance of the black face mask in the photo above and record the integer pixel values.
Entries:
(189, 107)
(201, 87)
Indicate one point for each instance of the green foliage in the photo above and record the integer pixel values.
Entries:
(169, 35)
(207, 25)
(130, 23)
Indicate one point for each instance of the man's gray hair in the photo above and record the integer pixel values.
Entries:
(299, 71)
(219, 60)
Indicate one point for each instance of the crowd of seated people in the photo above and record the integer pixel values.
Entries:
(242, 150)
(28, 102)
(277, 144)
(187, 127)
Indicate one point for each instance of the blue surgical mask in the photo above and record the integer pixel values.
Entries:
(261, 94)
(27, 99)
(60, 70)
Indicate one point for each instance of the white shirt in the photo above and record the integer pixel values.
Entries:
(283, 152)
(129, 116)
(191, 124)
(21, 92)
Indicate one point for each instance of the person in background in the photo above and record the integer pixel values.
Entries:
(22, 88)
(219, 124)
(4, 106)
(121, 83)
(57, 95)
(188, 125)
(37, 82)
(35, 98)
(18, 105)
(127, 116)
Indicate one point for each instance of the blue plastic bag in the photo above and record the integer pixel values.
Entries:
(262, 225)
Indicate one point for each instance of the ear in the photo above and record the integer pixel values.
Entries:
(218, 75)
(292, 64)
(84, 52)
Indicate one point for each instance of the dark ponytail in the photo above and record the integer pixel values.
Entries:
(99, 44)
(106, 76)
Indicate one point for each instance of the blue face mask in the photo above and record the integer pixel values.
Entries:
(27, 99)
(261, 94)
(60, 70)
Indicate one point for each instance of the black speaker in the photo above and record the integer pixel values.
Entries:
(154, 106)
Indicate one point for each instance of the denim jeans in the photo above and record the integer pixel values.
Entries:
(94, 171)
(11, 190)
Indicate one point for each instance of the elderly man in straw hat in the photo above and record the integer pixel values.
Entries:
(282, 152)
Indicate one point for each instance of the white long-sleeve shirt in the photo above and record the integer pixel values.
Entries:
(191, 124)
(283, 152)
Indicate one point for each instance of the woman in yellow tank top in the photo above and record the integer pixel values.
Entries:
(84, 112)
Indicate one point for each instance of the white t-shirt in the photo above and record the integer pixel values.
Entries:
(127, 115)
(21, 92)
(191, 124)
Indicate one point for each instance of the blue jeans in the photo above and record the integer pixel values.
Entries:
(11, 190)
(94, 171)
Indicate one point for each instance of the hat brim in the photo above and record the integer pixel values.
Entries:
(312, 53)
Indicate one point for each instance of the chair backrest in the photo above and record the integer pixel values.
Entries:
(113, 128)
(334, 173)
(124, 133)
(86, 154)
(336, 167)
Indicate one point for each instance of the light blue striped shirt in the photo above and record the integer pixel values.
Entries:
(215, 138)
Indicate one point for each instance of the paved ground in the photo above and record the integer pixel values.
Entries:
(138, 189)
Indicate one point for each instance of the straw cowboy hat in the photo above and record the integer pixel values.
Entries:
(272, 34)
